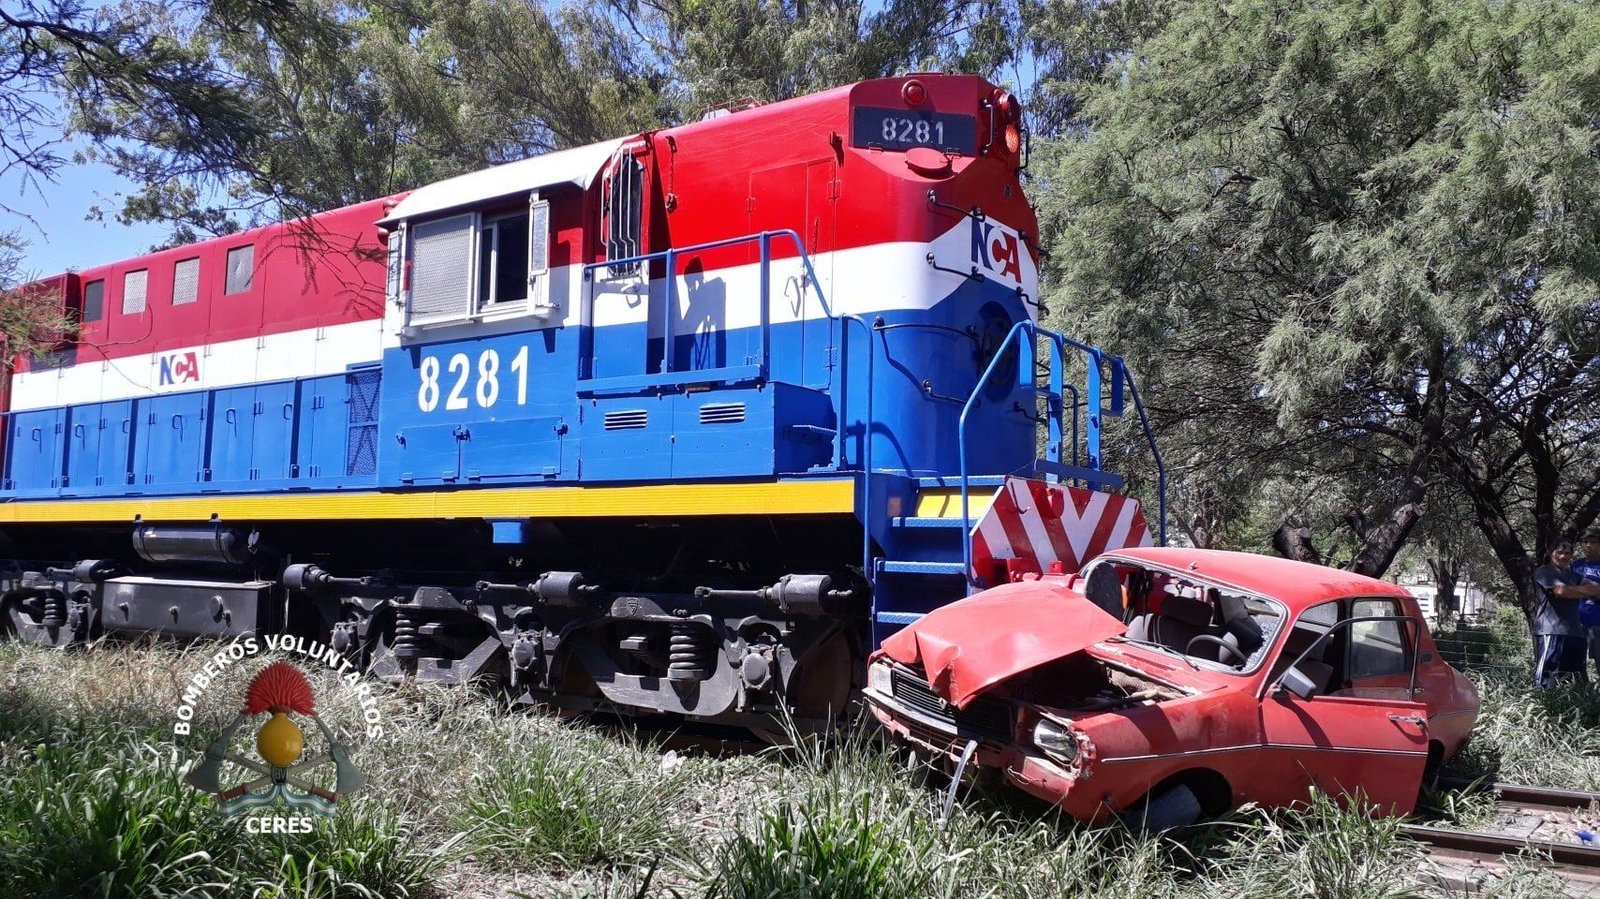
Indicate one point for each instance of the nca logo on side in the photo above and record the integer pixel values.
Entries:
(179, 368)
(997, 249)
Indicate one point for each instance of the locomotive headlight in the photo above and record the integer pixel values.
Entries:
(1056, 741)
(878, 678)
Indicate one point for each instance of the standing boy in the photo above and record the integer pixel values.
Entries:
(1588, 608)
(1558, 648)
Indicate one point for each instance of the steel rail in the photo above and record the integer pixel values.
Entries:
(1477, 844)
(1527, 797)
(1466, 850)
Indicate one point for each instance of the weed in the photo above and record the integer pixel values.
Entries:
(831, 848)
(470, 799)
(573, 799)
(363, 851)
(85, 815)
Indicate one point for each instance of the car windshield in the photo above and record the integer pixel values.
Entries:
(1209, 625)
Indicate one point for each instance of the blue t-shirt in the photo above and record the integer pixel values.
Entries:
(1588, 609)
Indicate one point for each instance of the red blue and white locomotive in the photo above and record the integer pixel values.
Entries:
(681, 422)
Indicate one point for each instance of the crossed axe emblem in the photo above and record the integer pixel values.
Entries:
(280, 688)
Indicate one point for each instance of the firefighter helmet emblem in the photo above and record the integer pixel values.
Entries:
(279, 690)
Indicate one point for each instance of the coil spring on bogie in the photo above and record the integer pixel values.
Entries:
(55, 609)
(407, 642)
(689, 652)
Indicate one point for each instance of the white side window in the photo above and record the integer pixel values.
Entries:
(503, 262)
(442, 285)
(133, 291)
(241, 269)
(186, 282)
(539, 252)
(397, 257)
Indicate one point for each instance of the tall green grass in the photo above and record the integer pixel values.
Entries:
(568, 799)
(82, 815)
(470, 800)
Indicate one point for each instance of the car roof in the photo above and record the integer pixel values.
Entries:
(1296, 584)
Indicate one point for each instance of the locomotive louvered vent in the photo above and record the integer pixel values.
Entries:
(984, 716)
(361, 444)
(627, 419)
(441, 268)
(721, 413)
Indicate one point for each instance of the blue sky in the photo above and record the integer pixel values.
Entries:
(60, 237)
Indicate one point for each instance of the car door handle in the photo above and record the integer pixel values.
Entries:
(1418, 720)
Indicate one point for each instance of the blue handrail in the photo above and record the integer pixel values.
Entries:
(765, 238)
(1150, 438)
(1092, 403)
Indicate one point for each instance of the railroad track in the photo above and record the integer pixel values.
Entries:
(1465, 860)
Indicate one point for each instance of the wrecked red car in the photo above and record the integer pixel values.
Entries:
(1171, 684)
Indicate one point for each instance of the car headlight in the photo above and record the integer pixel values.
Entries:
(1056, 741)
(878, 675)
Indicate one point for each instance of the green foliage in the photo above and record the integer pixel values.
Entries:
(83, 815)
(31, 320)
(573, 800)
(1319, 230)
(110, 58)
(1327, 851)
(364, 851)
(831, 848)
(91, 804)
(350, 101)
(1527, 734)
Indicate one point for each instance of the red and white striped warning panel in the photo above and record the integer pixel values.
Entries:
(1031, 525)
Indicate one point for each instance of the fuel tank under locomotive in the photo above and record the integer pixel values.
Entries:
(719, 621)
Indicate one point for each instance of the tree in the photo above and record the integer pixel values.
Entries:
(1307, 223)
(31, 317)
(720, 50)
(110, 58)
(359, 100)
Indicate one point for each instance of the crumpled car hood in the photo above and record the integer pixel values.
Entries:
(969, 646)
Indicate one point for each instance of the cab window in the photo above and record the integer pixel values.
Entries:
(1377, 648)
(503, 260)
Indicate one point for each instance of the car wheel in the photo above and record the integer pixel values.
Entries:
(1175, 806)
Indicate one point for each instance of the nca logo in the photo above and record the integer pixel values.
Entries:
(997, 249)
(179, 368)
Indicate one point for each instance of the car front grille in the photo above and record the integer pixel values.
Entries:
(984, 716)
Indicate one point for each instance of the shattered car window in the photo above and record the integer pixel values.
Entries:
(1206, 624)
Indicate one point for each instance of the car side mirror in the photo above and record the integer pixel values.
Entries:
(1295, 681)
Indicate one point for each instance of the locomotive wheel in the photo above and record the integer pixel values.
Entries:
(825, 686)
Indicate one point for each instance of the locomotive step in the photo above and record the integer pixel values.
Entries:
(977, 480)
(898, 617)
(888, 566)
(907, 521)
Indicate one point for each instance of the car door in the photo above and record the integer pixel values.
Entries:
(1347, 742)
